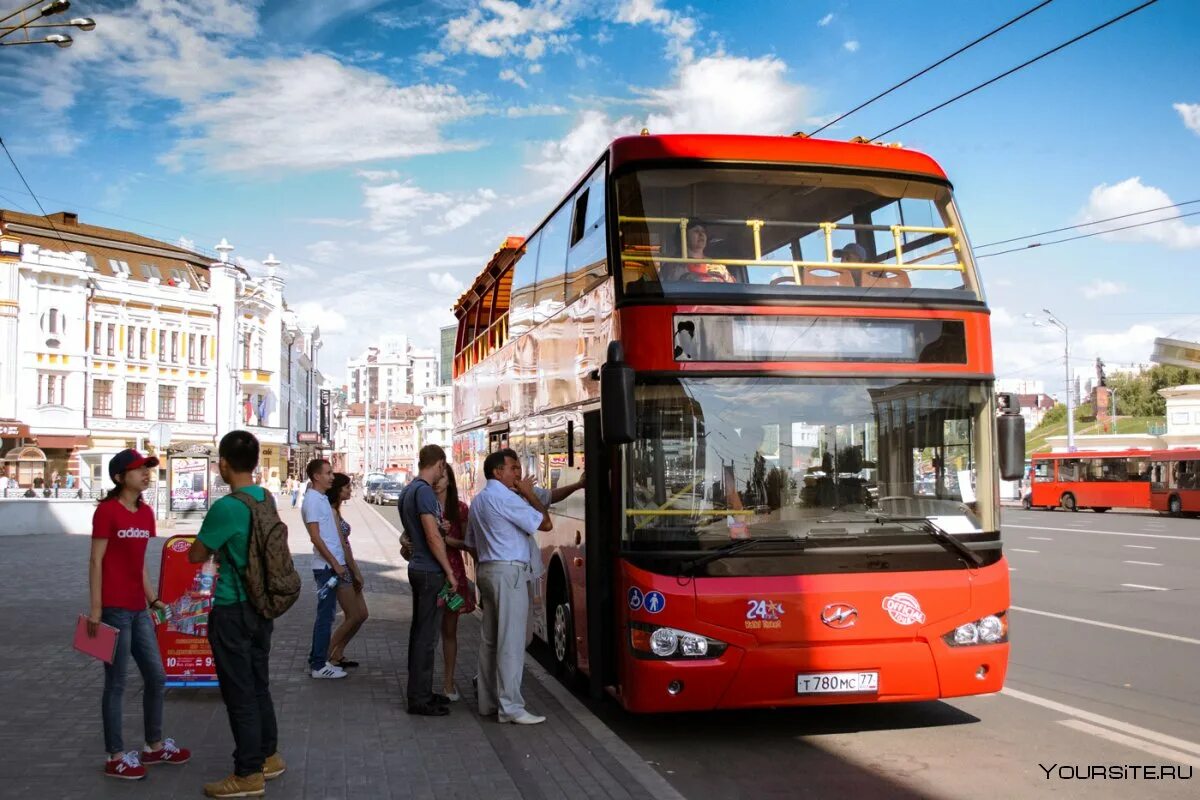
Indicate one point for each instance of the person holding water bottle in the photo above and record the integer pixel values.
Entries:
(122, 596)
(329, 563)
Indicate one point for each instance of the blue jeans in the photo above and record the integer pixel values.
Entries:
(326, 611)
(135, 637)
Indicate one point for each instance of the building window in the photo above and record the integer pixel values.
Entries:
(102, 398)
(130, 346)
(174, 347)
(191, 345)
(203, 350)
(119, 267)
(150, 271)
(162, 345)
(97, 329)
(135, 400)
(142, 335)
(195, 404)
(166, 402)
(53, 323)
(112, 339)
(246, 350)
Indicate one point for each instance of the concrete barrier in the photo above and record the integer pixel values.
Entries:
(22, 516)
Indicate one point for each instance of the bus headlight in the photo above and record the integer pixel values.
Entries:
(992, 629)
(653, 641)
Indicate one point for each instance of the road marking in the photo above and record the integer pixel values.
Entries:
(1019, 550)
(1108, 533)
(1130, 741)
(1143, 563)
(1139, 546)
(1156, 634)
(1041, 538)
(1107, 722)
(1142, 586)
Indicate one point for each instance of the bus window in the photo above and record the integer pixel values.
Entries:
(520, 315)
(1043, 471)
(552, 258)
(1069, 469)
(587, 260)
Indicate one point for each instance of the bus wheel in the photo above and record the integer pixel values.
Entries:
(1068, 502)
(1100, 510)
(563, 639)
(1027, 502)
(1175, 506)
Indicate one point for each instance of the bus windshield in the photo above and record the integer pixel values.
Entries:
(711, 229)
(732, 458)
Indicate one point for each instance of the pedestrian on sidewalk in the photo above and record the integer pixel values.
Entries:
(294, 487)
(453, 527)
(350, 598)
(428, 570)
(239, 636)
(503, 517)
(329, 559)
(121, 596)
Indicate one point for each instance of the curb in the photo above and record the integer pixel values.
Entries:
(614, 745)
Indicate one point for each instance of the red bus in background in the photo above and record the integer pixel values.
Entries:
(1165, 480)
(774, 359)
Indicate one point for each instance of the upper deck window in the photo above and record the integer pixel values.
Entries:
(789, 231)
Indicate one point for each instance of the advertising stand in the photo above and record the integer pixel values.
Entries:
(186, 658)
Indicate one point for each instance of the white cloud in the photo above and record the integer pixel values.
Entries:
(1130, 196)
(390, 205)
(825, 20)
(445, 283)
(1002, 318)
(1103, 288)
(1131, 346)
(378, 174)
(678, 29)
(512, 76)
(430, 58)
(498, 28)
(328, 319)
(536, 110)
(851, 46)
(723, 94)
(1190, 114)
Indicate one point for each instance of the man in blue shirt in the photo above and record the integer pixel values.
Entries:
(504, 515)
(428, 569)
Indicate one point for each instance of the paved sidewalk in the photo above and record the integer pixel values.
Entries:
(348, 738)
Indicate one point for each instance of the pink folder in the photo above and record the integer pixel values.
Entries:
(103, 646)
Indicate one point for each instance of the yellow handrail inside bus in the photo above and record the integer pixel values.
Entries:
(683, 512)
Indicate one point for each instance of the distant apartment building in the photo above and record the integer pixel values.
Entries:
(391, 371)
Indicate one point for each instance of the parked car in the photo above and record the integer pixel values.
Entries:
(387, 493)
(371, 486)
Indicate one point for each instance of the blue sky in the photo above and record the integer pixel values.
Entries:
(382, 150)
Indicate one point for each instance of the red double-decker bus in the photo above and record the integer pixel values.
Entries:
(768, 360)
(1165, 480)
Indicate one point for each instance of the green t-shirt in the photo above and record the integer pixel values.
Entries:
(226, 531)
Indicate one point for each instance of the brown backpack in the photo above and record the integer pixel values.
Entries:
(271, 582)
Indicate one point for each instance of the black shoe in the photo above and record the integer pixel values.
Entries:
(345, 664)
(441, 700)
(431, 710)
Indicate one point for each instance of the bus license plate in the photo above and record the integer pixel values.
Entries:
(837, 682)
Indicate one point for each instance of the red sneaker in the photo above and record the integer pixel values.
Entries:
(169, 753)
(128, 767)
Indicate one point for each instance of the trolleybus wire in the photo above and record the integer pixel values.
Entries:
(1086, 235)
(1089, 224)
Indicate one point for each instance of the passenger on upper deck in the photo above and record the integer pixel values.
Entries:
(853, 253)
(697, 241)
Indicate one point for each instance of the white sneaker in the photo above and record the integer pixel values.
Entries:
(453, 696)
(329, 672)
(524, 718)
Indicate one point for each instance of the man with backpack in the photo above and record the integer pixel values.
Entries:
(257, 582)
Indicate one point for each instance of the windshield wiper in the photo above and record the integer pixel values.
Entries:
(730, 549)
(946, 540)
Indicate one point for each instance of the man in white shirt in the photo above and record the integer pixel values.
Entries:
(328, 560)
(504, 515)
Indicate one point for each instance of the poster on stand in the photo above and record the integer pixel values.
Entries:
(182, 640)
(189, 483)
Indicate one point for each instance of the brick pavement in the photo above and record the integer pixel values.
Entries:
(342, 739)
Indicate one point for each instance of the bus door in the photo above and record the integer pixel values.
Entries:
(599, 557)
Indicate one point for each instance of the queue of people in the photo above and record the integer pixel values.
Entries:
(498, 529)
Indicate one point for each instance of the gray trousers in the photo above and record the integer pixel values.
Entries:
(503, 587)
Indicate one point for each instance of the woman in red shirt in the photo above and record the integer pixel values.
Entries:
(454, 531)
(121, 595)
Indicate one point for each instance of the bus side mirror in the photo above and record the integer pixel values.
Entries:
(1010, 437)
(618, 417)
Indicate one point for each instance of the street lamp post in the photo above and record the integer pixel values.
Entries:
(48, 10)
(1052, 321)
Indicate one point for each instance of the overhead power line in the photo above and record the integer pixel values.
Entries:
(1088, 235)
(932, 67)
(1017, 68)
(1089, 224)
(29, 189)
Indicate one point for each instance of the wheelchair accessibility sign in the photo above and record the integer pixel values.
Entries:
(651, 602)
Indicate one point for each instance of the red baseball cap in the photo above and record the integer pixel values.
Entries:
(127, 460)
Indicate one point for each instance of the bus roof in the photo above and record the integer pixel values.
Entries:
(798, 150)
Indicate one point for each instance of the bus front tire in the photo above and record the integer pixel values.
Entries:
(1027, 503)
(1068, 502)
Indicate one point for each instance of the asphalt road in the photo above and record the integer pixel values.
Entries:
(1106, 638)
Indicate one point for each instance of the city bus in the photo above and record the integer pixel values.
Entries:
(768, 361)
(1165, 480)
